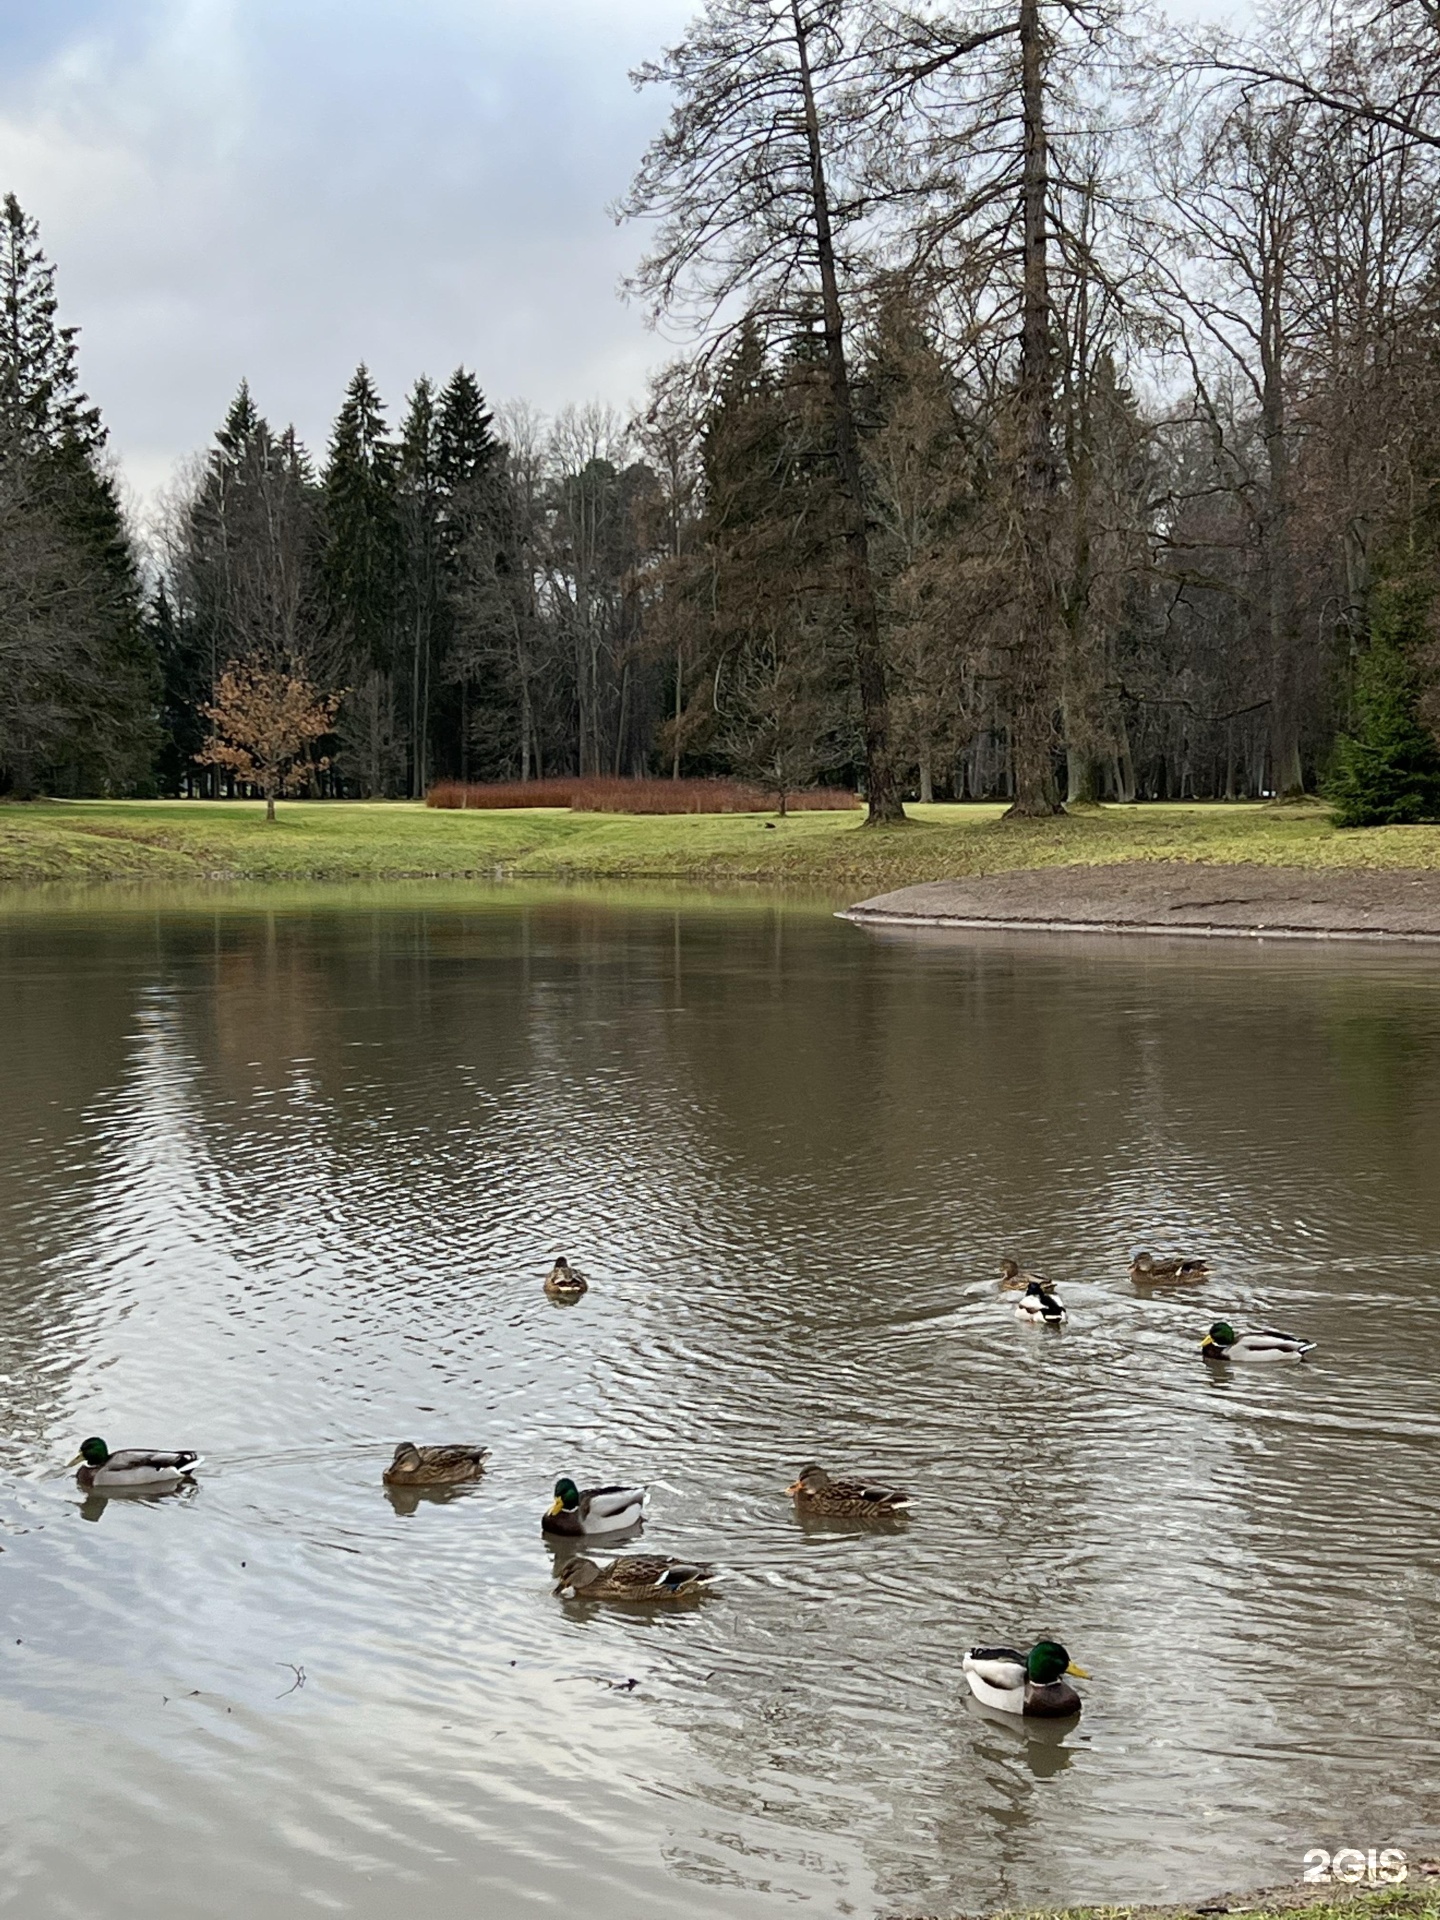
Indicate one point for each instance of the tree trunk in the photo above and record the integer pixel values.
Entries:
(1032, 720)
(927, 780)
(885, 803)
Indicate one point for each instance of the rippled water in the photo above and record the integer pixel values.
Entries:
(282, 1185)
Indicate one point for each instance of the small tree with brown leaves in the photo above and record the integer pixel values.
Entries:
(263, 720)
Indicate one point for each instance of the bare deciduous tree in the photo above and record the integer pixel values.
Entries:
(758, 188)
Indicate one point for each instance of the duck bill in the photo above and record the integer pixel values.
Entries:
(1208, 1342)
(78, 1461)
(1079, 1672)
(794, 1486)
(563, 1588)
(555, 1506)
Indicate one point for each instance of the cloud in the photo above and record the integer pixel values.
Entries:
(280, 188)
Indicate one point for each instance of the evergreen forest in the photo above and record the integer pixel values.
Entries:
(1059, 423)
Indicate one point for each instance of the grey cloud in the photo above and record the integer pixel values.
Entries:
(281, 189)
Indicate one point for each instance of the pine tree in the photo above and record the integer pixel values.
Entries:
(77, 682)
(1387, 770)
(245, 576)
(920, 478)
(467, 448)
(364, 571)
(41, 404)
(483, 611)
(776, 684)
(424, 606)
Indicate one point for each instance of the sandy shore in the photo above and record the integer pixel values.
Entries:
(1176, 897)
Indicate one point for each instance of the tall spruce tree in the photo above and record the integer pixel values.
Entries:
(777, 684)
(41, 404)
(364, 573)
(77, 681)
(1387, 768)
(483, 663)
(245, 577)
(424, 607)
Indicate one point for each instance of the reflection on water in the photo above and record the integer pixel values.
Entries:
(282, 1185)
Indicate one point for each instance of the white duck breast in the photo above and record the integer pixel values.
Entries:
(1037, 1303)
(996, 1676)
(133, 1467)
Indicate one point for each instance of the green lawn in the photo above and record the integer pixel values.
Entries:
(83, 840)
(1417, 1899)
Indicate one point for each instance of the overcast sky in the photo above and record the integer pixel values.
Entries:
(281, 188)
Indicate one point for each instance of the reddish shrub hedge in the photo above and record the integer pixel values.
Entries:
(501, 793)
(594, 794)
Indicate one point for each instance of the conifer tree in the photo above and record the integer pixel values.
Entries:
(777, 671)
(420, 497)
(76, 668)
(363, 572)
(467, 448)
(41, 404)
(485, 616)
(1387, 770)
(362, 534)
(244, 572)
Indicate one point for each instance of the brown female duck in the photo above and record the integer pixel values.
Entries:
(814, 1492)
(434, 1466)
(649, 1577)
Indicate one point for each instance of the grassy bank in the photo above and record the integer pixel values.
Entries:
(1416, 1899)
(80, 841)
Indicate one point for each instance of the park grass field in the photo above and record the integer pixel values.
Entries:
(1417, 1899)
(80, 841)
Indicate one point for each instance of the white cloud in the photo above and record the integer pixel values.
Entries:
(279, 188)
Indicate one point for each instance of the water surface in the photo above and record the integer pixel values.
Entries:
(281, 1183)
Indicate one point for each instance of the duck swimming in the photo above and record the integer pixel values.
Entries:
(1222, 1342)
(133, 1467)
(638, 1576)
(1146, 1267)
(593, 1510)
(1038, 1305)
(434, 1466)
(1014, 1276)
(813, 1491)
(1030, 1683)
(564, 1282)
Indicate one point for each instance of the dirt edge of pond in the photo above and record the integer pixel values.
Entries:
(1175, 897)
(1415, 1898)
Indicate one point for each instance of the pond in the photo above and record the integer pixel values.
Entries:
(281, 1180)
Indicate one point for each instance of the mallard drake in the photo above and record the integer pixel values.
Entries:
(1146, 1267)
(1038, 1305)
(593, 1510)
(1223, 1343)
(434, 1466)
(1030, 1683)
(1014, 1276)
(813, 1491)
(101, 1469)
(564, 1282)
(649, 1577)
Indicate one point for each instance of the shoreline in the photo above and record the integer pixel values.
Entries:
(1174, 899)
(1098, 870)
(1417, 1897)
